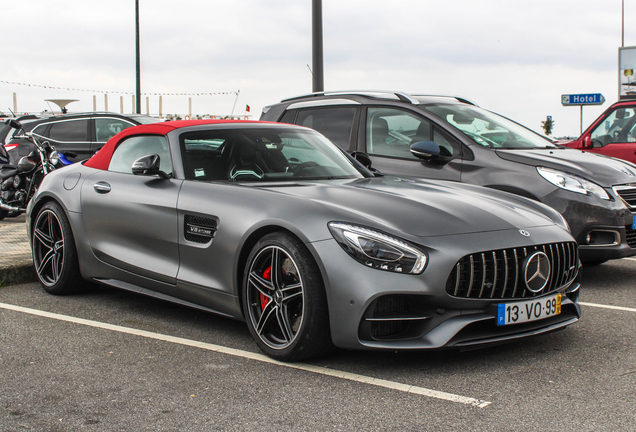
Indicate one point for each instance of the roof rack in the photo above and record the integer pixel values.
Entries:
(404, 97)
(457, 98)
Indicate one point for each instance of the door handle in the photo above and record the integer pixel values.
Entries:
(102, 187)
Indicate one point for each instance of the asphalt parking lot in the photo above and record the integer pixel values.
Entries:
(112, 360)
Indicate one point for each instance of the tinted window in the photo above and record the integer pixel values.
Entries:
(41, 130)
(68, 131)
(288, 117)
(106, 128)
(334, 123)
(135, 147)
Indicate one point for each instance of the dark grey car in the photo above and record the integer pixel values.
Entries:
(452, 139)
(274, 225)
(79, 134)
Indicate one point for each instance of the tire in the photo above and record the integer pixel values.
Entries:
(54, 253)
(284, 300)
(3, 214)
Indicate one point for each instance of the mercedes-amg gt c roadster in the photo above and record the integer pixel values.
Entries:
(275, 225)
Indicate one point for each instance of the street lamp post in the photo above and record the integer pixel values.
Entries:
(316, 52)
(138, 68)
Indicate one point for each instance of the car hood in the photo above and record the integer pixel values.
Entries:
(423, 208)
(603, 170)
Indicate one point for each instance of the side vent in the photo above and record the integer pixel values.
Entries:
(199, 229)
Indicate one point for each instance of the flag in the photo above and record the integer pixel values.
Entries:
(247, 108)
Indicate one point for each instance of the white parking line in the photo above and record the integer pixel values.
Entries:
(622, 308)
(258, 357)
(631, 259)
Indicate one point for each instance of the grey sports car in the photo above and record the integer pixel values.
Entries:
(274, 225)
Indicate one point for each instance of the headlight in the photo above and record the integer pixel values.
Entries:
(378, 250)
(572, 183)
(54, 157)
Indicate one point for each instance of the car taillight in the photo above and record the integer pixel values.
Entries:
(9, 147)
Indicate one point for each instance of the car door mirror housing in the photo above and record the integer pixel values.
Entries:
(426, 150)
(148, 165)
(14, 124)
(362, 157)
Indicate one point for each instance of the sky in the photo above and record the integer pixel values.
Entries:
(514, 57)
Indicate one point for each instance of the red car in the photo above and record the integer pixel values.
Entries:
(612, 134)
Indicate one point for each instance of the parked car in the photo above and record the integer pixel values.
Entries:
(80, 133)
(274, 225)
(613, 133)
(450, 138)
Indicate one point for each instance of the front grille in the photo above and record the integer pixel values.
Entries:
(499, 274)
(389, 305)
(627, 194)
(630, 236)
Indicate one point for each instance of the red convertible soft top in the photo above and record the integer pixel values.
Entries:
(101, 159)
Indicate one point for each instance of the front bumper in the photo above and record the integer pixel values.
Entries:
(435, 318)
(603, 229)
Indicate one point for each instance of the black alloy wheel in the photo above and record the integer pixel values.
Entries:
(284, 299)
(54, 254)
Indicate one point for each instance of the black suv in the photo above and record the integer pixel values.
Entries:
(81, 134)
(450, 138)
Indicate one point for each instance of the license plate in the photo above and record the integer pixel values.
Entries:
(530, 310)
(634, 223)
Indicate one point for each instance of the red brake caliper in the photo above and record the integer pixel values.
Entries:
(267, 275)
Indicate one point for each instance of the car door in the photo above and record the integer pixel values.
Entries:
(388, 134)
(616, 135)
(131, 220)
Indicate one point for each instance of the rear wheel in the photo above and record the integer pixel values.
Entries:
(54, 253)
(284, 300)
(3, 214)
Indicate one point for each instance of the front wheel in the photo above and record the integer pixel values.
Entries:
(54, 253)
(284, 300)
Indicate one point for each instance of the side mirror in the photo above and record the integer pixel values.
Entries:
(149, 165)
(14, 124)
(362, 157)
(586, 142)
(426, 150)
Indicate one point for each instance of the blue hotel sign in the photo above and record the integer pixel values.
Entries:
(583, 99)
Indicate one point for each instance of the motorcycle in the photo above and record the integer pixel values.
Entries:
(19, 183)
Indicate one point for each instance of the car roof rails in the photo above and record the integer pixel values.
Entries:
(457, 98)
(404, 97)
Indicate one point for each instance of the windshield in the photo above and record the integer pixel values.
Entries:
(489, 129)
(263, 154)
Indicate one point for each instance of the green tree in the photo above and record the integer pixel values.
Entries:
(548, 125)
